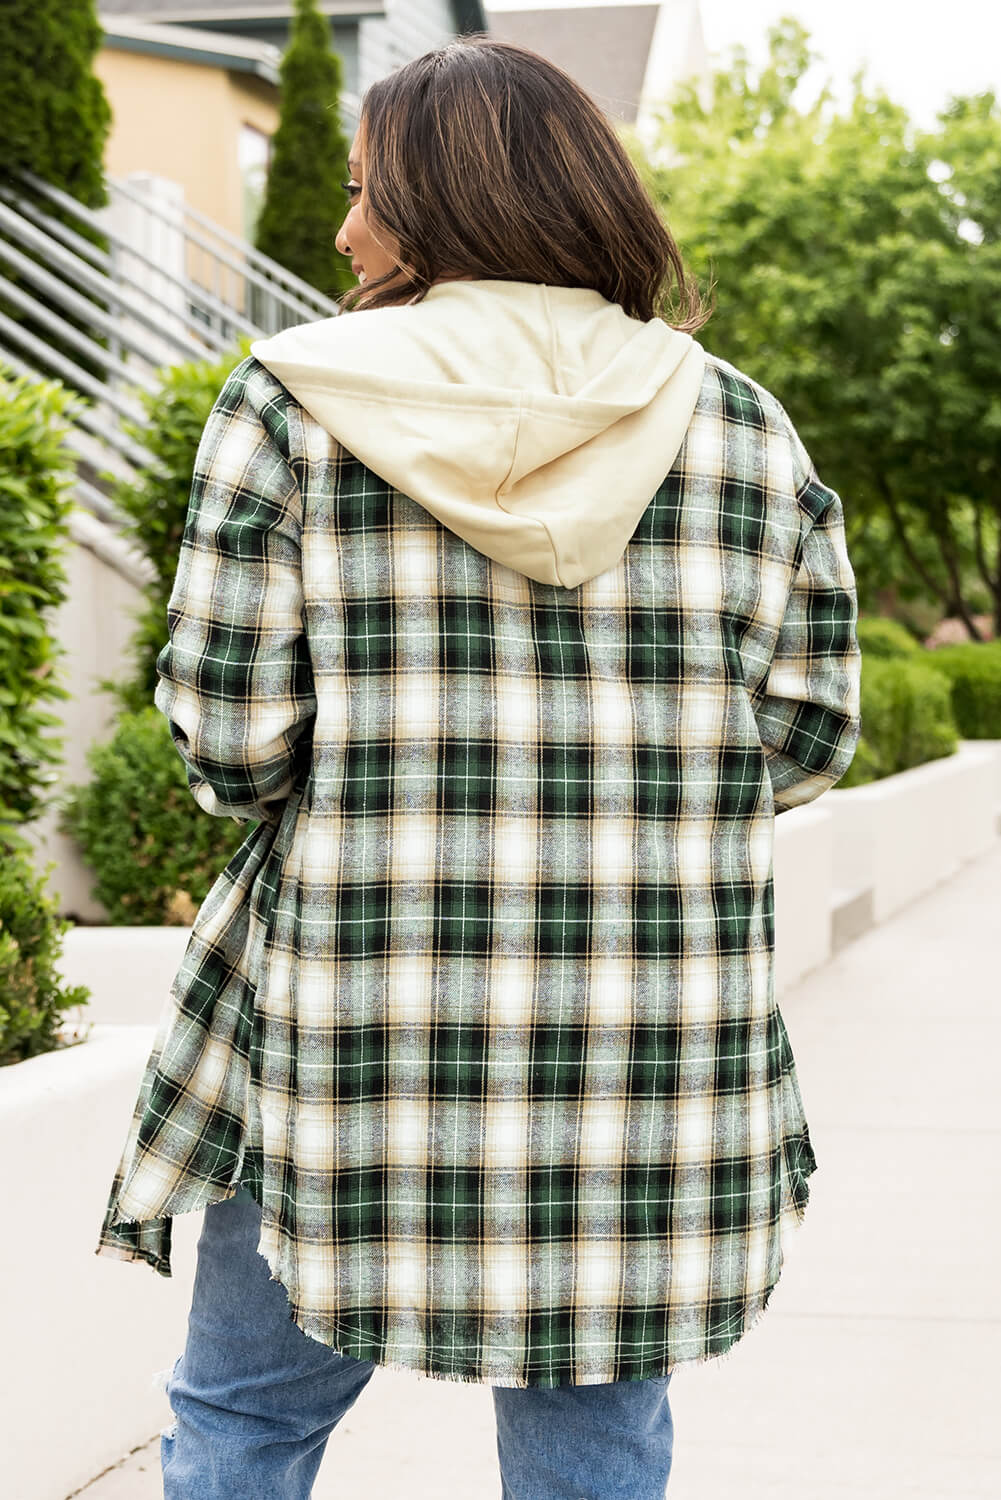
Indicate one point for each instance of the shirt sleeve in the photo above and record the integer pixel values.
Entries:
(235, 678)
(808, 713)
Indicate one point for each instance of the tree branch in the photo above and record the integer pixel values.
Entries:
(947, 546)
(938, 589)
(992, 580)
(981, 553)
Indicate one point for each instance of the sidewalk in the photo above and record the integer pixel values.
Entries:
(874, 1371)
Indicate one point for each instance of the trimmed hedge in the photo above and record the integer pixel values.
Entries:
(33, 995)
(973, 672)
(155, 853)
(884, 639)
(906, 719)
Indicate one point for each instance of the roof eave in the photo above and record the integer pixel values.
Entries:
(211, 57)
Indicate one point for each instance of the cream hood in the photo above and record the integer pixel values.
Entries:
(536, 422)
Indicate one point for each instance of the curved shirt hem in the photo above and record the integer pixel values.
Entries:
(149, 1240)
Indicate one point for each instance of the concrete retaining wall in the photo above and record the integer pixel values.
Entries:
(900, 836)
(83, 1334)
(803, 891)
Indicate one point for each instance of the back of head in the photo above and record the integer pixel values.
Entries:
(485, 160)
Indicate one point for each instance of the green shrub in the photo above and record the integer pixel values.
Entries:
(35, 473)
(885, 639)
(33, 995)
(134, 693)
(906, 719)
(153, 850)
(974, 675)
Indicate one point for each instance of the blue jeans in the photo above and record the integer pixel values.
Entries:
(256, 1399)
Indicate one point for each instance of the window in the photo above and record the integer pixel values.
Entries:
(254, 155)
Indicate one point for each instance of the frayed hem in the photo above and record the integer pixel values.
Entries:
(790, 1221)
(318, 1328)
(346, 1343)
(117, 1243)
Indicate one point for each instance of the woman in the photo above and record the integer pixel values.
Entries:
(509, 618)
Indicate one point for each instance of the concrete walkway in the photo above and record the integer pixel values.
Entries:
(874, 1372)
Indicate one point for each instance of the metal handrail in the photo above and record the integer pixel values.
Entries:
(75, 438)
(56, 228)
(71, 335)
(101, 286)
(123, 312)
(309, 302)
(114, 437)
(81, 379)
(97, 501)
(104, 459)
(106, 263)
(272, 270)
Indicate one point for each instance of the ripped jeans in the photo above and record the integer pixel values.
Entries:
(255, 1399)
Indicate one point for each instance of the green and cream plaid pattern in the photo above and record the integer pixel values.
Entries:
(482, 1011)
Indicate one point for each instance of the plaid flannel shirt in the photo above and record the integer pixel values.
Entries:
(482, 1011)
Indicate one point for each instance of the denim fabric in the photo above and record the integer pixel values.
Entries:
(255, 1399)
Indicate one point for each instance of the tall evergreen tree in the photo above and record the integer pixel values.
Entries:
(56, 117)
(56, 120)
(304, 202)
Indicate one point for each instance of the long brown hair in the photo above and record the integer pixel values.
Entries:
(484, 159)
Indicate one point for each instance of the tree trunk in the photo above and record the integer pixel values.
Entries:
(940, 590)
(946, 545)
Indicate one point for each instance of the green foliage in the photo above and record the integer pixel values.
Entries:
(889, 578)
(974, 675)
(56, 117)
(304, 202)
(156, 502)
(153, 850)
(55, 123)
(906, 719)
(33, 996)
(857, 270)
(883, 638)
(35, 472)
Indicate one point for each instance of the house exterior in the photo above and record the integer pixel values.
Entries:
(204, 88)
(211, 67)
(371, 36)
(628, 56)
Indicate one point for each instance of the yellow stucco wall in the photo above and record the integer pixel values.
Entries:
(182, 120)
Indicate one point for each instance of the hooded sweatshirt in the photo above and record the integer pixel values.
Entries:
(536, 422)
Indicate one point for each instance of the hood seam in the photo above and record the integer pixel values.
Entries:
(554, 345)
(536, 519)
(389, 398)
